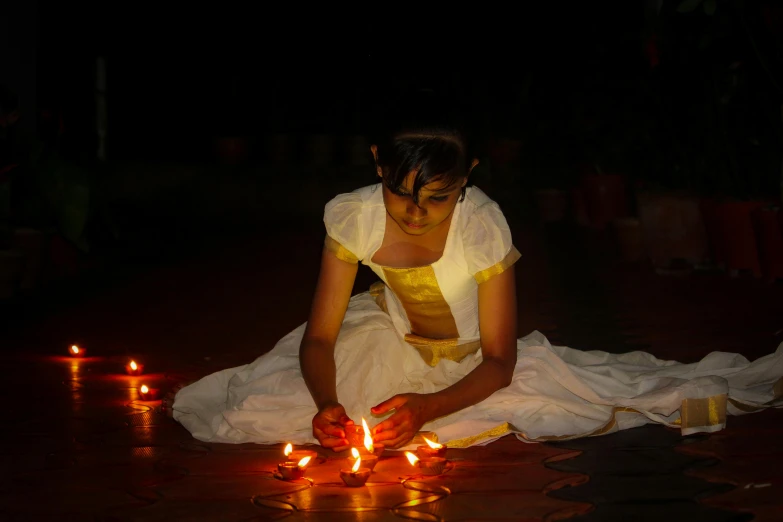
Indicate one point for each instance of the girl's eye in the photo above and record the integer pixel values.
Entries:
(439, 199)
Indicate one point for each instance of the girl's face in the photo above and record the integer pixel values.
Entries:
(436, 203)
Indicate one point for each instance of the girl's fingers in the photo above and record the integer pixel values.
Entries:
(400, 441)
(393, 422)
(328, 441)
(384, 435)
(335, 443)
(334, 431)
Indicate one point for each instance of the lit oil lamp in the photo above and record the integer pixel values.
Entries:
(356, 476)
(369, 460)
(432, 449)
(293, 470)
(75, 351)
(297, 455)
(134, 368)
(370, 448)
(427, 465)
(148, 394)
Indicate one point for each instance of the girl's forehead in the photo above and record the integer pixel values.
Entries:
(433, 186)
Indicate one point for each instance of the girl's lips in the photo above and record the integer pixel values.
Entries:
(413, 225)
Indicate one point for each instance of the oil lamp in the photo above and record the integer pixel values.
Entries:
(76, 351)
(369, 460)
(432, 449)
(427, 465)
(293, 470)
(134, 368)
(148, 394)
(297, 455)
(356, 476)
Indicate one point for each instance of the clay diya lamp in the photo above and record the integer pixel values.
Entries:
(368, 460)
(134, 368)
(432, 449)
(148, 394)
(356, 476)
(293, 470)
(293, 455)
(76, 351)
(427, 465)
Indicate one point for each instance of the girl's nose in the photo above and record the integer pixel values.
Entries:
(415, 210)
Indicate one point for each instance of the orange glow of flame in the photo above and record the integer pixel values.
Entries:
(356, 465)
(355, 453)
(304, 461)
(75, 349)
(288, 449)
(367, 438)
(144, 388)
(413, 459)
(134, 367)
(433, 445)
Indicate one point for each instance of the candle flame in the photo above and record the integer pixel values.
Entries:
(304, 461)
(411, 458)
(367, 438)
(433, 445)
(133, 365)
(355, 453)
(75, 349)
(356, 465)
(288, 449)
(144, 388)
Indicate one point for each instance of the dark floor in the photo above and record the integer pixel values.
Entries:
(79, 444)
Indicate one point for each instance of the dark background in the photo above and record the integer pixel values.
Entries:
(678, 95)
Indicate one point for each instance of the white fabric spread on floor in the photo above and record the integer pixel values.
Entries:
(556, 391)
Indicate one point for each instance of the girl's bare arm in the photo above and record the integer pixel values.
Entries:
(316, 353)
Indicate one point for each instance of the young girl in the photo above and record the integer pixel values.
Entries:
(432, 346)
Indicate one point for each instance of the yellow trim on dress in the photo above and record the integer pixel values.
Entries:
(433, 350)
(419, 294)
(709, 411)
(498, 268)
(706, 412)
(340, 251)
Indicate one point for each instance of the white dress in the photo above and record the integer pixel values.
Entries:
(417, 331)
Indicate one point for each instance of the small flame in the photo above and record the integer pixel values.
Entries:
(433, 445)
(304, 461)
(144, 388)
(356, 465)
(134, 367)
(367, 438)
(411, 458)
(355, 453)
(288, 449)
(75, 349)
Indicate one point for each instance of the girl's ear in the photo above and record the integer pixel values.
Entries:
(473, 165)
(374, 150)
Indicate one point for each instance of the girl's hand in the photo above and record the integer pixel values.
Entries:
(399, 429)
(329, 427)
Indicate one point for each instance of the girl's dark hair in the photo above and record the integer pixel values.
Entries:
(425, 134)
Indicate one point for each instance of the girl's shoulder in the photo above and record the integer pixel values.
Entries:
(477, 206)
(356, 200)
(486, 238)
(351, 218)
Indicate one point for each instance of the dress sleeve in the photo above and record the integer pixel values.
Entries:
(487, 241)
(343, 220)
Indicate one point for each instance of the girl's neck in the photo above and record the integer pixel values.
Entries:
(402, 250)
